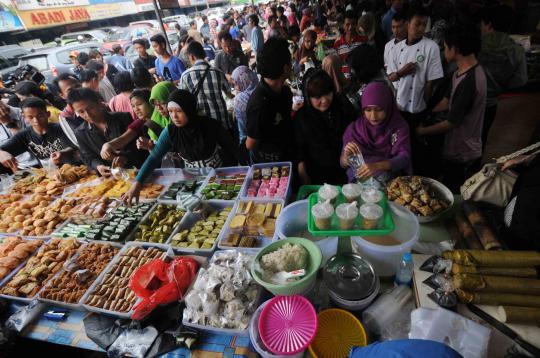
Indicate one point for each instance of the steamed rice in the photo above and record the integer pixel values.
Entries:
(289, 257)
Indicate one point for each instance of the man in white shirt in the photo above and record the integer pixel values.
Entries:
(399, 32)
(416, 64)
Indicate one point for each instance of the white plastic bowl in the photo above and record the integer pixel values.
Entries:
(386, 258)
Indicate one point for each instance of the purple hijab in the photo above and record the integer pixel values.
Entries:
(386, 141)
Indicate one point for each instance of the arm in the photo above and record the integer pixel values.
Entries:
(118, 143)
(428, 90)
(162, 147)
(439, 128)
(251, 143)
(17, 144)
(88, 156)
(441, 106)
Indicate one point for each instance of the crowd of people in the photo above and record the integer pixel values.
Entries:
(410, 87)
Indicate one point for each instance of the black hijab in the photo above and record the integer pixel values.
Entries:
(197, 139)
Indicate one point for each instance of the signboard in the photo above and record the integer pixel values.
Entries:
(9, 22)
(104, 10)
(47, 4)
(53, 17)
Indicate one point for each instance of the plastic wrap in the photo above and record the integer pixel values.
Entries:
(24, 316)
(133, 343)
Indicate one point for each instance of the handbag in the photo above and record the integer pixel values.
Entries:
(491, 184)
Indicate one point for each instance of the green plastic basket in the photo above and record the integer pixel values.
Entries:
(297, 287)
(306, 190)
(386, 224)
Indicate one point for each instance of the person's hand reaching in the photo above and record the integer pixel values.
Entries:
(56, 158)
(367, 170)
(132, 195)
(108, 152)
(9, 161)
(104, 170)
(145, 143)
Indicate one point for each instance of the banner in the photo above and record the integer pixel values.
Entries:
(47, 4)
(9, 22)
(105, 10)
(53, 17)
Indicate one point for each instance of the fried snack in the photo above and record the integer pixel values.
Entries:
(493, 258)
(28, 184)
(13, 251)
(520, 315)
(72, 283)
(495, 299)
(30, 217)
(7, 199)
(88, 208)
(498, 284)
(527, 272)
(416, 195)
(95, 191)
(113, 293)
(55, 183)
(41, 268)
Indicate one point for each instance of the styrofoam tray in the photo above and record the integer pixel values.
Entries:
(249, 179)
(105, 271)
(75, 306)
(29, 299)
(185, 174)
(23, 263)
(263, 240)
(190, 219)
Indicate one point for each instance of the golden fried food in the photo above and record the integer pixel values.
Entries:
(13, 251)
(416, 195)
(31, 217)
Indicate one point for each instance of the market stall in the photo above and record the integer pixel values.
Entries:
(237, 250)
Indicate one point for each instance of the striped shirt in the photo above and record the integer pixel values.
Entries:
(343, 47)
(210, 99)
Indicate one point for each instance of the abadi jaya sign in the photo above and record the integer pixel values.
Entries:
(53, 17)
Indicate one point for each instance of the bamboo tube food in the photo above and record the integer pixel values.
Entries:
(520, 315)
(495, 299)
(529, 272)
(480, 225)
(493, 258)
(467, 232)
(496, 284)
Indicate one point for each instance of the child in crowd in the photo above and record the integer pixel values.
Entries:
(380, 135)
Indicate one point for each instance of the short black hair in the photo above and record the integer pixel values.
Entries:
(116, 48)
(497, 17)
(191, 23)
(88, 75)
(28, 88)
(254, 18)
(122, 82)
(274, 56)
(224, 35)
(94, 53)
(418, 11)
(64, 77)
(196, 50)
(293, 31)
(351, 15)
(83, 94)
(281, 9)
(143, 42)
(399, 16)
(177, 26)
(83, 58)
(159, 38)
(318, 84)
(141, 77)
(464, 38)
(95, 65)
(143, 93)
(365, 63)
(34, 102)
(204, 17)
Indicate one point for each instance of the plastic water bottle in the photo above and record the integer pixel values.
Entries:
(405, 270)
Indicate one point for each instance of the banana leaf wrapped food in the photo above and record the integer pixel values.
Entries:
(496, 299)
(493, 258)
(467, 231)
(483, 230)
(528, 272)
(496, 284)
(520, 315)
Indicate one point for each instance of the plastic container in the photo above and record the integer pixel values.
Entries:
(10, 275)
(262, 240)
(370, 215)
(293, 223)
(337, 333)
(288, 324)
(322, 215)
(221, 172)
(385, 258)
(297, 287)
(385, 225)
(356, 305)
(371, 196)
(249, 179)
(386, 309)
(346, 214)
(328, 192)
(352, 192)
(404, 272)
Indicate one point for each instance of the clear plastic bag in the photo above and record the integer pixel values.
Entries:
(133, 342)
(20, 319)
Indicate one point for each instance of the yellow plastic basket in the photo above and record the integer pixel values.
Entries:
(337, 333)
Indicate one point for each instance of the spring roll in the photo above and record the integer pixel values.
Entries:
(496, 299)
(493, 258)
(529, 272)
(497, 284)
(520, 315)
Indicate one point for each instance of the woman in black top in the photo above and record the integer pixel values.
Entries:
(319, 126)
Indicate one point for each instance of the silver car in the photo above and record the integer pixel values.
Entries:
(54, 61)
(9, 59)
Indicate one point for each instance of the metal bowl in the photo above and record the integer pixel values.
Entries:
(441, 192)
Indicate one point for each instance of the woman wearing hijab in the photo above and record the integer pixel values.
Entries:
(245, 82)
(319, 126)
(159, 120)
(381, 135)
(306, 52)
(332, 66)
(199, 141)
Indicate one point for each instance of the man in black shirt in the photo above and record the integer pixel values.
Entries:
(99, 128)
(46, 141)
(269, 124)
(145, 59)
(231, 55)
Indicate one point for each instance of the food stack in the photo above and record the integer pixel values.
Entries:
(160, 224)
(269, 182)
(204, 233)
(223, 187)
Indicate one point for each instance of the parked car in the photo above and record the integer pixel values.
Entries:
(149, 23)
(181, 20)
(9, 59)
(87, 36)
(124, 36)
(55, 60)
(110, 29)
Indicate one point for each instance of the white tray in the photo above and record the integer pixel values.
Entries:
(249, 179)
